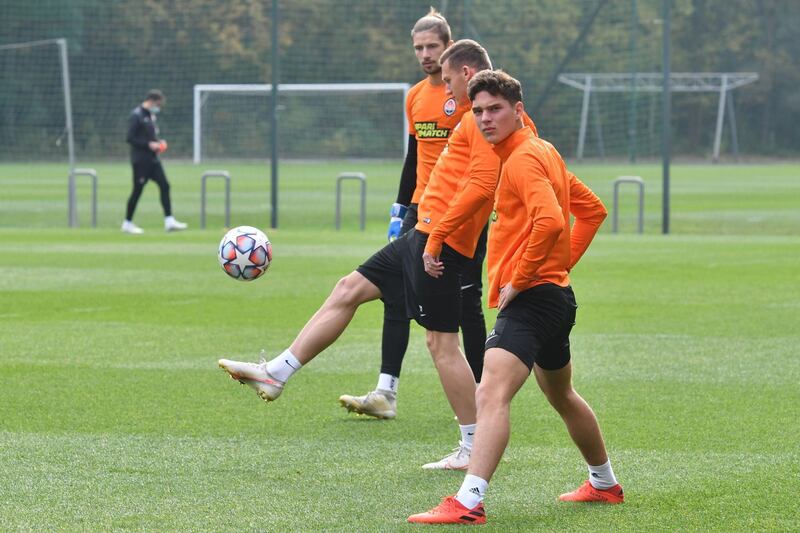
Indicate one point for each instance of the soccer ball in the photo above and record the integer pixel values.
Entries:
(245, 253)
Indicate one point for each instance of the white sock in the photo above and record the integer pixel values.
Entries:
(388, 382)
(283, 366)
(602, 477)
(467, 435)
(472, 490)
(169, 219)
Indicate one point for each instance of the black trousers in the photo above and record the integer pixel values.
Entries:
(142, 172)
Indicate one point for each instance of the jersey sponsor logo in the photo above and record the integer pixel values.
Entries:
(450, 107)
(427, 220)
(430, 130)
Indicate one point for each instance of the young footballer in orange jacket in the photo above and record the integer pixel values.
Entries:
(532, 249)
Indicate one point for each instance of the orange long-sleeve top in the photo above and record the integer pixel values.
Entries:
(458, 199)
(432, 114)
(531, 241)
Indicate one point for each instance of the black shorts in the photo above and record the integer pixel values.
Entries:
(385, 270)
(149, 170)
(535, 326)
(438, 299)
(397, 270)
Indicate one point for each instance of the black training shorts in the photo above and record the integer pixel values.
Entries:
(397, 270)
(535, 326)
(438, 299)
(385, 270)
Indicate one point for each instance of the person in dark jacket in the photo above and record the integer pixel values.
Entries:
(145, 147)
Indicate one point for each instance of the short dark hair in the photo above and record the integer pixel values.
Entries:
(433, 21)
(466, 52)
(496, 83)
(154, 95)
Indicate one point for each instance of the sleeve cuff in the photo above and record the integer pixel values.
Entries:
(433, 247)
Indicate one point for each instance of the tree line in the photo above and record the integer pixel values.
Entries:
(118, 49)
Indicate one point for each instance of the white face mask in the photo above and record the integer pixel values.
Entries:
(155, 109)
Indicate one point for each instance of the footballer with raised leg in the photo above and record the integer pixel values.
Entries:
(396, 274)
(531, 250)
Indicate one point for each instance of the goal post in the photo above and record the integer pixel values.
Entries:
(19, 147)
(61, 46)
(343, 116)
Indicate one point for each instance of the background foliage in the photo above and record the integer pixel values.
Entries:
(119, 49)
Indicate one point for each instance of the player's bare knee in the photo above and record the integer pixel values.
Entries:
(486, 397)
(442, 346)
(354, 290)
(562, 399)
(346, 292)
(432, 342)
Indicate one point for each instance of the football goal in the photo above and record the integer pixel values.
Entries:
(594, 84)
(316, 121)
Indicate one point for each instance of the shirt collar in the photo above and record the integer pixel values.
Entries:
(504, 148)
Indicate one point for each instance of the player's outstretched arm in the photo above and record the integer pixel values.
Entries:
(477, 190)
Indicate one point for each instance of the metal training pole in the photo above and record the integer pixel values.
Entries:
(666, 102)
(634, 69)
(274, 124)
(62, 47)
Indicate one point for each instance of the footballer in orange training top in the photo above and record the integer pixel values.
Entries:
(531, 251)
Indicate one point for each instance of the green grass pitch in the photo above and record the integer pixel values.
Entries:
(114, 415)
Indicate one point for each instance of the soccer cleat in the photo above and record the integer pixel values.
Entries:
(450, 511)
(376, 403)
(171, 224)
(254, 375)
(587, 493)
(458, 459)
(130, 227)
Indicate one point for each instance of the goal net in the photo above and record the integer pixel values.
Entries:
(32, 102)
(315, 121)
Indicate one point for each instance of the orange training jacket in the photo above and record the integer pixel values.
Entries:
(458, 199)
(531, 241)
(432, 115)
